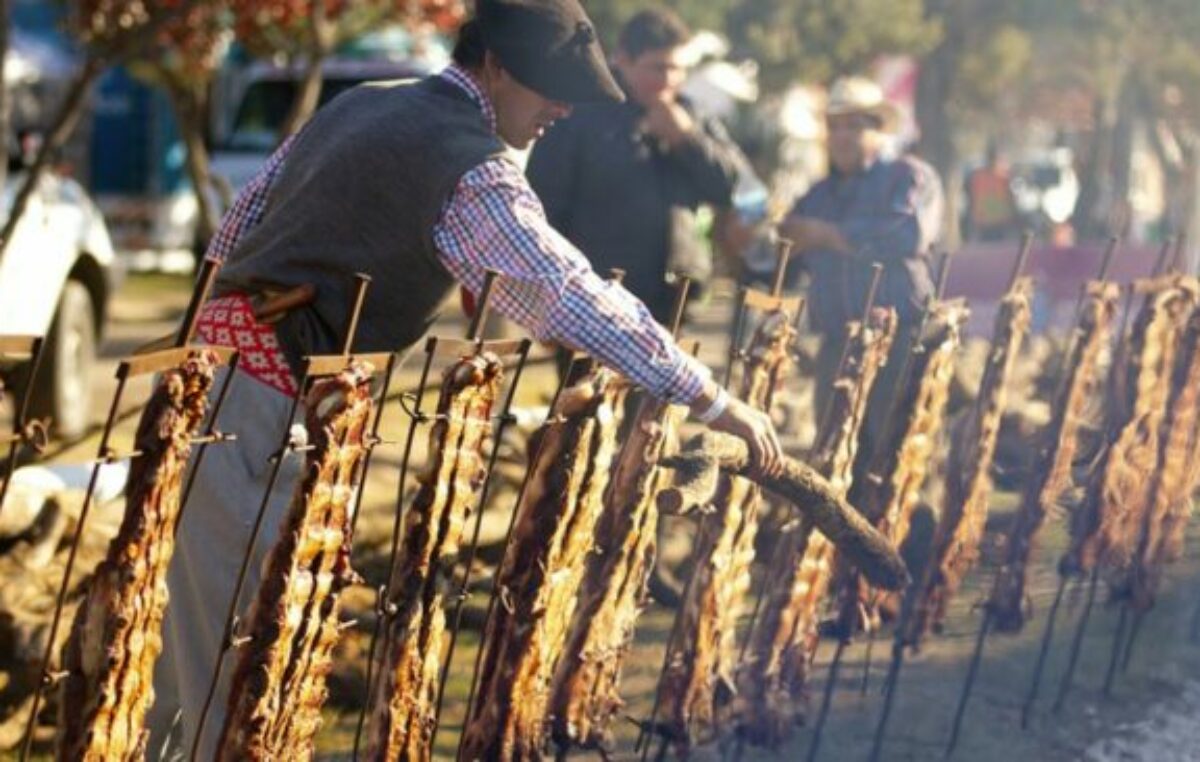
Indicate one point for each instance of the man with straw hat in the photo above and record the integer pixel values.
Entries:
(869, 209)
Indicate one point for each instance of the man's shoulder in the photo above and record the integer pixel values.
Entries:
(908, 166)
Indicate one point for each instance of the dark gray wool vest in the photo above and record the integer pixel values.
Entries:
(360, 191)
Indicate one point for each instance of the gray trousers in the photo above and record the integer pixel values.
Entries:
(213, 535)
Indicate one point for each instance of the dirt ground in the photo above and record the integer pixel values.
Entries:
(1153, 713)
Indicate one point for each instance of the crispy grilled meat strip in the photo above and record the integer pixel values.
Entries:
(969, 482)
(889, 500)
(405, 699)
(539, 578)
(1162, 529)
(773, 684)
(279, 685)
(1104, 528)
(116, 636)
(1051, 474)
(697, 687)
(613, 594)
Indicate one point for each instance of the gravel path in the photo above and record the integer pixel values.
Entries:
(1169, 733)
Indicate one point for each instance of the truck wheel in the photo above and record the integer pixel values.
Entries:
(63, 388)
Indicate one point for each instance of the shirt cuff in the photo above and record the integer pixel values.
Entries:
(686, 381)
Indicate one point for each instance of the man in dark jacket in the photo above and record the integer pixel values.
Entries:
(623, 181)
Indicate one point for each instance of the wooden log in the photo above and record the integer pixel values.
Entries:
(697, 469)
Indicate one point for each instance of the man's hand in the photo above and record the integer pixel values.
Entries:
(669, 122)
(811, 234)
(753, 426)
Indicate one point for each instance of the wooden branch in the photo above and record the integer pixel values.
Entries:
(697, 470)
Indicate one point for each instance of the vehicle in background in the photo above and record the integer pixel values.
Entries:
(138, 174)
(137, 168)
(262, 101)
(56, 278)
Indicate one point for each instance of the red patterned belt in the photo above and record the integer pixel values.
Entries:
(229, 322)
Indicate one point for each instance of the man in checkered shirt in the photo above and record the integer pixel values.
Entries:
(411, 184)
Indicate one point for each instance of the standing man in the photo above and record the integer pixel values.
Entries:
(991, 213)
(623, 181)
(409, 183)
(869, 209)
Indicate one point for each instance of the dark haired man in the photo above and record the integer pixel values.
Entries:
(622, 181)
(411, 184)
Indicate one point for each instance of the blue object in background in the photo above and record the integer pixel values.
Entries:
(136, 148)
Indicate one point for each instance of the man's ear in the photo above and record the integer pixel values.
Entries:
(493, 70)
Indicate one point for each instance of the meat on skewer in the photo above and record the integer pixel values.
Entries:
(1173, 481)
(116, 637)
(279, 685)
(773, 683)
(697, 686)
(1052, 468)
(614, 589)
(539, 577)
(1104, 529)
(968, 484)
(404, 702)
(889, 495)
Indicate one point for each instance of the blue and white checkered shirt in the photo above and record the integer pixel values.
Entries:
(494, 221)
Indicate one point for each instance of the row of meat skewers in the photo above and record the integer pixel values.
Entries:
(573, 581)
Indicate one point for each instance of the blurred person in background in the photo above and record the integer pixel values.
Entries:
(868, 209)
(991, 209)
(624, 181)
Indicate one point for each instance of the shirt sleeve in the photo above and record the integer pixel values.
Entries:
(906, 224)
(247, 210)
(710, 160)
(494, 221)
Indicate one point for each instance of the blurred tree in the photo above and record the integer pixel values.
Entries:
(815, 41)
(1135, 65)
(978, 55)
(110, 32)
(304, 33)
(4, 100)
(182, 58)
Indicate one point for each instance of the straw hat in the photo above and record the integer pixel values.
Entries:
(859, 95)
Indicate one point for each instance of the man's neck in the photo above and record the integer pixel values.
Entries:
(472, 84)
(858, 169)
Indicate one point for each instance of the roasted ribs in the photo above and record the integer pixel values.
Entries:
(279, 685)
(1161, 535)
(116, 637)
(539, 577)
(968, 474)
(613, 593)
(1051, 474)
(773, 683)
(890, 492)
(1105, 528)
(404, 701)
(697, 688)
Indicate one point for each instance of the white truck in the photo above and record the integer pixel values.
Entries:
(56, 278)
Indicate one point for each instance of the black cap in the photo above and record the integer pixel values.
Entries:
(549, 46)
